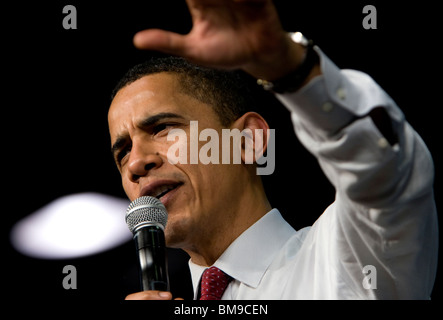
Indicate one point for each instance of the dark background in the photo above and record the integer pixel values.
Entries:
(56, 92)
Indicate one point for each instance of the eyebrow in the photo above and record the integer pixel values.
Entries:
(150, 121)
(145, 123)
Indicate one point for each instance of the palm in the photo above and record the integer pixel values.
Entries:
(225, 34)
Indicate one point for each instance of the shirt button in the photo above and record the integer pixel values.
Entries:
(341, 93)
(383, 143)
(327, 106)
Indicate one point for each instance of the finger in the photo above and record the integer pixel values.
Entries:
(165, 41)
(150, 295)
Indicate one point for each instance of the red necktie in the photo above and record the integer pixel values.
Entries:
(214, 282)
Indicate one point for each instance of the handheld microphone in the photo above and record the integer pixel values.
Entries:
(146, 218)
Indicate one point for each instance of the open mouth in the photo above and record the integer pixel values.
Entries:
(161, 190)
(164, 190)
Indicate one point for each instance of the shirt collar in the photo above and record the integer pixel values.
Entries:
(249, 256)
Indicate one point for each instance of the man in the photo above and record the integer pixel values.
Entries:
(383, 220)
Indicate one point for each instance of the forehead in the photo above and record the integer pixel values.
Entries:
(143, 95)
(150, 95)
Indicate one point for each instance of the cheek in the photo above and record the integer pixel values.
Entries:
(209, 183)
(129, 188)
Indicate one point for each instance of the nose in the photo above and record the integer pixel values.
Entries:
(141, 162)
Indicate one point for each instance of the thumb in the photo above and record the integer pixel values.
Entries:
(160, 40)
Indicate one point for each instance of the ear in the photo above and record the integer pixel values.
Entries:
(254, 129)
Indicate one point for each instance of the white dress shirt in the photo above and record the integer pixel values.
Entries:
(379, 239)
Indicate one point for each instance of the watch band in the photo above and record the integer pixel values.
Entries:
(294, 80)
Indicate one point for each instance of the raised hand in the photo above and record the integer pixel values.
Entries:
(232, 34)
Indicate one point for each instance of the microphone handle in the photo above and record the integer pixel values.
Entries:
(151, 252)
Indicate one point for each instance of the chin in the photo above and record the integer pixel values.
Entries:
(177, 233)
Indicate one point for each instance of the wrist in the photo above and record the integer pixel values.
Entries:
(276, 62)
(306, 68)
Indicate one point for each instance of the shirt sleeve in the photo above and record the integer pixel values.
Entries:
(384, 214)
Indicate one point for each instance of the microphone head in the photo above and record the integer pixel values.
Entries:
(146, 211)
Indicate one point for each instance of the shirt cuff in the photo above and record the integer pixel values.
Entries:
(333, 100)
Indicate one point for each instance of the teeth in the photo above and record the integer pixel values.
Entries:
(162, 190)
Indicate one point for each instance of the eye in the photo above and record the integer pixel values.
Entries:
(162, 127)
(122, 154)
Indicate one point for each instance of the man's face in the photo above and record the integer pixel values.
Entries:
(196, 196)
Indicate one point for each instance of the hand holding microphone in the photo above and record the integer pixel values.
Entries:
(146, 218)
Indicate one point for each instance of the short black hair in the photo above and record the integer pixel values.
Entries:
(231, 93)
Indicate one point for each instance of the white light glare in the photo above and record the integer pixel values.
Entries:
(73, 226)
